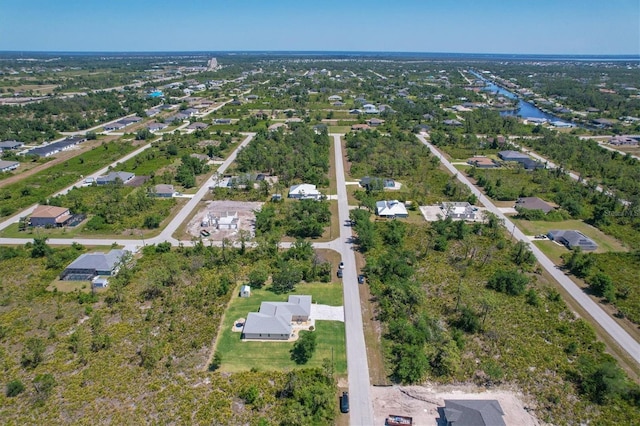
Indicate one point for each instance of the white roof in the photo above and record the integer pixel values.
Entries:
(391, 208)
(304, 189)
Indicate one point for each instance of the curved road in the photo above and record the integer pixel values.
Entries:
(617, 333)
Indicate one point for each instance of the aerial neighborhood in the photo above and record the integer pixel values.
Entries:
(319, 238)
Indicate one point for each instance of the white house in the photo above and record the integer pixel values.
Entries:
(304, 191)
(370, 109)
(391, 209)
(334, 98)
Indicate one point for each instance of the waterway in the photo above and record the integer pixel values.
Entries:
(525, 109)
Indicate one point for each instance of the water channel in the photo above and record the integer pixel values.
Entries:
(525, 109)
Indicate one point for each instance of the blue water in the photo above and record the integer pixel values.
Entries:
(525, 109)
(155, 94)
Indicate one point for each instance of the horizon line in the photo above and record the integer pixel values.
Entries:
(395, 52)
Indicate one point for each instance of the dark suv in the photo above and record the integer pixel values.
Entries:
(344, 402)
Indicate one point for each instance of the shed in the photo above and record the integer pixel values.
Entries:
(245, 291)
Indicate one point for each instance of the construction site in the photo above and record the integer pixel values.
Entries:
(224, 219)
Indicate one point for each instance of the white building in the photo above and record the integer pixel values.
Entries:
(391, 209)
(304, 191)
(245, 291)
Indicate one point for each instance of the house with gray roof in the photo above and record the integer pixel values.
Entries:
(274, 320)
(90, 265)
(472, 412)
(10, 145)
(113, 177)
(7, 166)
(572, 239)
(164, 191)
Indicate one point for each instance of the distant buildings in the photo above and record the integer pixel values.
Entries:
(114, 177)
(527, 162)
(9, 145)
(7, 166)
(56, 147)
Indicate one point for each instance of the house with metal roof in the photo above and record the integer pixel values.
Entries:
(512, 155)
(472, 412)
(113, 177)
(118, 125)
(90, 265)
(304, 191)
(572, 239)
(274, 320)
(370, 109)
(155, 127)
(56, 147)
(391, 209)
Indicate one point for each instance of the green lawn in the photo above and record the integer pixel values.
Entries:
(605, 242)
(242, 356)
(552, 250)
(339, 129)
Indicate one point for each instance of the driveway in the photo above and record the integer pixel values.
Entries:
(327, 313)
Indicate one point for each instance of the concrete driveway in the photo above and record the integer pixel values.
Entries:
(327, 313)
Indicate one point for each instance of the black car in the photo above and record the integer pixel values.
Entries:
(344, 402)
(360, 279)
(339, 273)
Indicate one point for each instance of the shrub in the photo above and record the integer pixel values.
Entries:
(14, 388)
(510, 282)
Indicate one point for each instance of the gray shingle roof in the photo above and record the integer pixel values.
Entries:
(473, 412)
(275, 317)
(111, 177)
(97, 261)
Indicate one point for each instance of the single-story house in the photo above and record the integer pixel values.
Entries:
(533, 203)
(459, 210)
(334, 98)
(482, 162)
(222, 121)
(7, 166)
(304, 191)
(338, 103)
(6, 145)
(572, 239)
(89, 265)
(391, 209)
(197, 125)
(531, 164)
(252, 97)
(115, 176)
(189, 112)
(245, 291)
(176, 117)
(50, 216)
(274, 319)
(375, 122)
(512, 155)
(452, 123)
(201, 157)
(355, 111)
(151, 112)
(114, 126)
(130, 120)
(369, 182)
(370, 109)
(155, 127)
(164, 191)
(56, 147)
(357, 127)
(622, 140)
(472, 412)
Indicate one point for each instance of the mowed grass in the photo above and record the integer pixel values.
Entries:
(605, 242)
(242, 356)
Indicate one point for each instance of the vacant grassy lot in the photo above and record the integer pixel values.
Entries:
(242, 356)
(605, 242)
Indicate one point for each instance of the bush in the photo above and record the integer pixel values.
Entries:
(304, 348)
(14, 388)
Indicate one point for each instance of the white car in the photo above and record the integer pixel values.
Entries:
(341, 265)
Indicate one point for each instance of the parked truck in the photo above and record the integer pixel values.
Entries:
(395, 420)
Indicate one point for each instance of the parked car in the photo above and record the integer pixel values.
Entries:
(341, 265)
(360, 279)
(205, 233)
(344, 402)
(339, 273)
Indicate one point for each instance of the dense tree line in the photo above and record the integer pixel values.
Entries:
(299, 156)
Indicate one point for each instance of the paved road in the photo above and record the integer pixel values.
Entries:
(361, 410)
(551, 165)
(617, 333)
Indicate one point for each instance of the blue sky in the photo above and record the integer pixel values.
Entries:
(460, 26)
